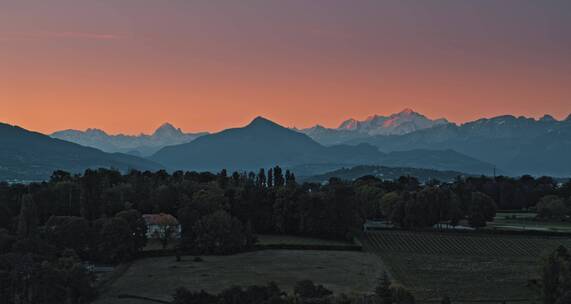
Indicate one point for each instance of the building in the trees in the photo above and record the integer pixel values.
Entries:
(162, 225)
(377, 224)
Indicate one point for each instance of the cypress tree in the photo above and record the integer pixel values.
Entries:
(278, 177)
(261, 178)
(270, 178)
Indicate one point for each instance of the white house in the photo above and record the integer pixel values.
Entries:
(159, 224)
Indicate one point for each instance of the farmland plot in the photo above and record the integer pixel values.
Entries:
(353, 273)
(466, 267)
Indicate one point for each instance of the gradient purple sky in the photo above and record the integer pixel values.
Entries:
(129, 65)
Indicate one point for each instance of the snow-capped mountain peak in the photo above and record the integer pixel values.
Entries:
(407, 111)
(95, 132)
(403, 122)
(349, 124)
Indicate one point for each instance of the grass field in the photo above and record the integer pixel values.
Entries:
(340, 271)
(526, 221)
(268, 239)
(466, 267)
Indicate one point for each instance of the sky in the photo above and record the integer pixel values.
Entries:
(127, 66)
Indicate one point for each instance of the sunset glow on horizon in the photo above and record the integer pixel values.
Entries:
(129, 66)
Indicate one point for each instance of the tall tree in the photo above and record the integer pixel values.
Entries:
(91, 206)
(220, 233)
(482, 209)
(223, 179)
(138, 227)
(279, 180)
(261, 178)
(5, 217)
(28, 219)
(115, 241)
(270, 178)
(290, 179)
(68, 232)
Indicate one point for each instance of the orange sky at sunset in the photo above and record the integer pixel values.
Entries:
(128, 66)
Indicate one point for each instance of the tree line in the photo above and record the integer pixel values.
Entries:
(49, 229)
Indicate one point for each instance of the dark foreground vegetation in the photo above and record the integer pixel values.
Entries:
(555, 280)
(51, 230)
(305, 292)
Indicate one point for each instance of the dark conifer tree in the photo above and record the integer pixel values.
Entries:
(223, 179)
(290, 179)
(91, 206)
(28, 219)
(261, 178)
(278, 177)
(270, 178)
(236, 178)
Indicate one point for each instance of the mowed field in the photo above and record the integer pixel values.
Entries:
(341, 271)
(269, 239)
(465, 267)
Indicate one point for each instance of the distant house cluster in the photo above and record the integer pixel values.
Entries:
(377, 224)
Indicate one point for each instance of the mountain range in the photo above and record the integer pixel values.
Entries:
(505, 144)
(517, 145)
(26, 155)
(139, 145)
(263, 143)
(404, 122)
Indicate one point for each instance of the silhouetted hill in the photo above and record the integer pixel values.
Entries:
(27, 155)
(263, 144)
(260, 144)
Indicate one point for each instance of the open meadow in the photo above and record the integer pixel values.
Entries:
(269, 239)
(340, 271)
(465, 267)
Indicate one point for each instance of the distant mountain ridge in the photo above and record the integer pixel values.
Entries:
(519, 145)
(140, 145)
(504, 144)
(263, 143)
(27, 155)
(404, 122)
